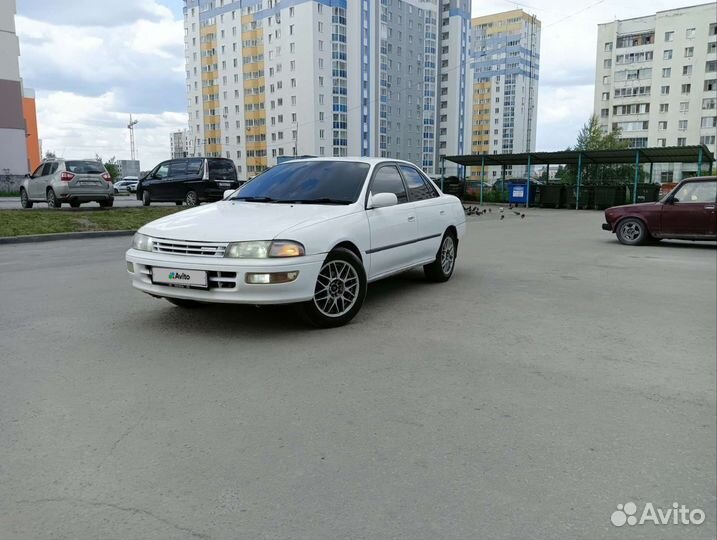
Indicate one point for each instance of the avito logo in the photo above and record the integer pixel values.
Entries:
(676, 515)
(179, 275)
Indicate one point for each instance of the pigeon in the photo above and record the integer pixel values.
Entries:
(502, 217)
(502, 210)
(516, 213)
(490, 210)
(522, 216)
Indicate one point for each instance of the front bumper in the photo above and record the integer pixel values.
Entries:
(606, 227)
(226, 278)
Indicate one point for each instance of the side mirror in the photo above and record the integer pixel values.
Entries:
(382, 200)
(228, 192)
(673, 200)
(28, 175)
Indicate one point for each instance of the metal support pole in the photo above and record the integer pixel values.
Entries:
(699, 162)
(637, 176)
(710, 169)
(580, 178)
(527, 185)
(443, 170)
(651, 166)
(502, 182)
(482, 177)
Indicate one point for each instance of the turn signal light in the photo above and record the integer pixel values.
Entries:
(269, 278)
(106, 176)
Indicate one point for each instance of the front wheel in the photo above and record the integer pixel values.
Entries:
(145, 198)
(25, 201)
(108, 203)
(339, 292)
(632, 232)
(442, 268)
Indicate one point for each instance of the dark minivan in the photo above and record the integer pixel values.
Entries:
(188, 180)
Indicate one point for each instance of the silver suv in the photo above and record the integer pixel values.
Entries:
(58, 181)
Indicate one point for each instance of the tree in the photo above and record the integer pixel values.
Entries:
(111, 165)
(592, 137)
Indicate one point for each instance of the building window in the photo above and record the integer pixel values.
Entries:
(608, 46)
(690, 33)
(607, 63)
(669, 36)
(681, 141)
(708, 122)
(664, 107)
(689, 52)
(711, 66)
(707, 139)
(662, 125)
(666, 72)
(665, 90)
(604, 113)
(686, 89)
(687, 71)
(682, 125)
(606, 96)
(667, 55)
(661, 142)
(684, 106)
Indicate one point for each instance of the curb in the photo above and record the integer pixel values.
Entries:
(62, 236)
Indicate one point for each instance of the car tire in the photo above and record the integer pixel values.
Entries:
(441, 269)
(52, 201)
(632, 232)
(116, 191)
(74, 204)
(145, 198)
(25, 201)
(179, 203)
(191, 198)
(181, 302)
(334, 304)
(108, 203)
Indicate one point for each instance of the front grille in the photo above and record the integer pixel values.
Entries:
(194, 249)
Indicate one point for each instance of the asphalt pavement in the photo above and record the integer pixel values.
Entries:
(556, 375)
(122, 201)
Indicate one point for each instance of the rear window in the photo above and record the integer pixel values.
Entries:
(84, 167)
(222, 169)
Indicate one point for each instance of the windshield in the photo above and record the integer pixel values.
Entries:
(221, 169)
(85, 167)
(320, 182)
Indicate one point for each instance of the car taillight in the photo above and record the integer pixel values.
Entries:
(107, 177)
(66, 176)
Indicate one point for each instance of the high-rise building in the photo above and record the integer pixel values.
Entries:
(268, 79)
(179, 144)
(13, 149)
(656, 80)
(504, 74)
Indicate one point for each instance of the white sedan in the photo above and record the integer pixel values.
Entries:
(311, 232)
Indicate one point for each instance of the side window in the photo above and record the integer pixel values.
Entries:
(162, 171)
(177, 168)
(697, 192)
(53, 168)
(46, 169)
(418, 188)
(38, 171)
(388, 180)
(194, 166)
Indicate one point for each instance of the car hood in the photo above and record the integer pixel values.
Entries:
(236, 221)
(637, 206)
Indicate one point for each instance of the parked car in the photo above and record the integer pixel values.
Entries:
(686, 213)
(188, 180)
(58, 181)
(310, 232)
(127, 185)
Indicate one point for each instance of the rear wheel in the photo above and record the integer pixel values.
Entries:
(191, 198)
(181, 302)
(339, 291)
(632, 232)
(107, 203)
(179, 203)
(145, 198)
(74, 204)
(52, 201)
(442, 268)
(25, 201)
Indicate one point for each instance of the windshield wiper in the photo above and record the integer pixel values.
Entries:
(254, 199)
(320, 200)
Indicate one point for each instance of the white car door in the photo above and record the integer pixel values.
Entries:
(393, 229)
(433, 217)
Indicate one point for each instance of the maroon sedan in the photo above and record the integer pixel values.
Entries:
(686, 213)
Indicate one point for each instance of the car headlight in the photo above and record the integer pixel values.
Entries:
(264, 249)
(142, 242)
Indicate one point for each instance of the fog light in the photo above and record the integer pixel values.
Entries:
(274, 277)
(130, 267)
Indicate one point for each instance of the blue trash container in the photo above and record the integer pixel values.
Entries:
(517, 192)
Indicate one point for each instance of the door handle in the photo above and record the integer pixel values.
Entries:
(411, 218)
(443, 212)
(709, 207)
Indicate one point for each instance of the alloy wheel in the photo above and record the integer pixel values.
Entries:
(631, 231)
(448, 254)
(337, 288)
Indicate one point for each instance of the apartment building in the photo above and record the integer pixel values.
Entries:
(504, 75)
(267, 79)
(656, 80)
(179, 143)
(13, 148)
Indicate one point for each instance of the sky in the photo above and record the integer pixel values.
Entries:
(92, 63)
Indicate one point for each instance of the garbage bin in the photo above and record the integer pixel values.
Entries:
(645, 193)
(586, 197)
(552, 195)
(607, 196)
(518, 193)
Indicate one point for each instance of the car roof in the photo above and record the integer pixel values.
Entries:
(700, 179)
(356, 159)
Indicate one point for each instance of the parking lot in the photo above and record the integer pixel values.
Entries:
(123, 201)
(556, 375)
